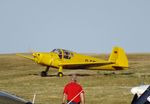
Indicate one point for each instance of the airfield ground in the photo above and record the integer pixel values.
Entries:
(21, 77)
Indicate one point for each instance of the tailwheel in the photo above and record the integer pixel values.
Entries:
(43, 74)
(60, 74)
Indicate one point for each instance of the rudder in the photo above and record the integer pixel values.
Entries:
(119, 57)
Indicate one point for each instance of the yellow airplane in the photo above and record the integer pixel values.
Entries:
(64, 59)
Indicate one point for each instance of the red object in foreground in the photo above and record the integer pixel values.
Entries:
(71, 90)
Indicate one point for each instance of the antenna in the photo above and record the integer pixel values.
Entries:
(34, 98)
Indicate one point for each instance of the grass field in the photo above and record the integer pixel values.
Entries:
(21, 77)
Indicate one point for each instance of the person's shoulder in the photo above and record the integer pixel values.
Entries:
(78, 84)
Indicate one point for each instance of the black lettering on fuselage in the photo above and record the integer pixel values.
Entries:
(86, 60)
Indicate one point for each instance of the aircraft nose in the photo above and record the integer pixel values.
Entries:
(36, 54)
(36, 57)
(33, 54)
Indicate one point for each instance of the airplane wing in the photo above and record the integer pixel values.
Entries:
(7, 98)
(85, 64)
(25, 56)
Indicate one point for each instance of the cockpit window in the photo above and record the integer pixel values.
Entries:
(66, 54)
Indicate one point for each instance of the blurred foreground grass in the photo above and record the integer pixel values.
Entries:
(21, 77)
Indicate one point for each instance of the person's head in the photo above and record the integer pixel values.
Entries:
(74, 77)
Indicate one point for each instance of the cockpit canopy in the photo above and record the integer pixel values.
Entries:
(62, 53)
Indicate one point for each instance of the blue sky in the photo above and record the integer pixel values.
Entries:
(88, 26)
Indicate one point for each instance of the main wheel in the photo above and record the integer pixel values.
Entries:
(60, 74)
(43, 74)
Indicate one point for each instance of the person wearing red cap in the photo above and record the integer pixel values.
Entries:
(73, 92)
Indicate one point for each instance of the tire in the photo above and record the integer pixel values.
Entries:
(60, 74)
(43, 74)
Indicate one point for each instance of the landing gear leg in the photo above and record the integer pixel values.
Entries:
(60, 74)
(44, 73)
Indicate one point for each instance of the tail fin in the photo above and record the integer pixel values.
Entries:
(119, 57)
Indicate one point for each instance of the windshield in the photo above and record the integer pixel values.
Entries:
(59, 52)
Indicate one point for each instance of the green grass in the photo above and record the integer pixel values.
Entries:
(21, 77)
